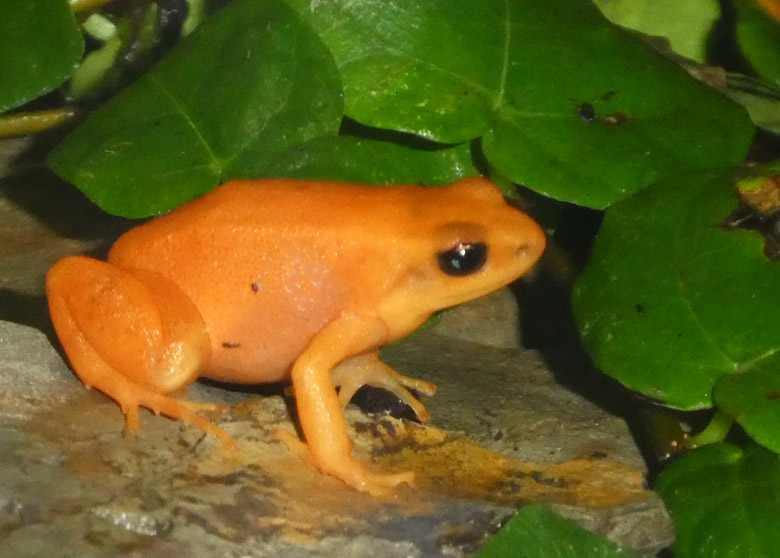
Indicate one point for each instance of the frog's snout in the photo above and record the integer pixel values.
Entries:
(532, 246)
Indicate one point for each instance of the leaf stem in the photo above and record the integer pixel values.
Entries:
(30, 122)
(716, 431)
(81, 5)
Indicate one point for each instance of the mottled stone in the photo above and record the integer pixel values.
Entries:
(71, 478)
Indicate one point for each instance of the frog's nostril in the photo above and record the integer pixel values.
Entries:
(522, 251)
(530, 250)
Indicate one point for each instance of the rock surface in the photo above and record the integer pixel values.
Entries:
(503, 433)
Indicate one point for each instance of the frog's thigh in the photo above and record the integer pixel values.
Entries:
(368, 369)
(130, 334)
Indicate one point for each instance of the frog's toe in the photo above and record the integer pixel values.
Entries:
(362, 370)
(415, 404)
(380, 486)
(296, 446)
(130, 410)
(185, 411)
(201, 407)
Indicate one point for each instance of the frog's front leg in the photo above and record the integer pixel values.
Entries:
(328, 447)
(132, 335)
(368, 369)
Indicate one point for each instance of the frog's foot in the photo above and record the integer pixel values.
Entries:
(367, 369)
(131, 396)
(347, 469)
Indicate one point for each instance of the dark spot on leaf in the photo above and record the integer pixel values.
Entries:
(772, 395)
(229, 345)
(640, 309)
(615, 119)
(608, 95)
(586, 112)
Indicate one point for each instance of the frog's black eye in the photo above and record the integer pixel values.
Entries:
(463, 259)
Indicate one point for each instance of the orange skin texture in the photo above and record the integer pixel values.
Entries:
(268, 280)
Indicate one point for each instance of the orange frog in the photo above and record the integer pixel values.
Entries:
(264, 280)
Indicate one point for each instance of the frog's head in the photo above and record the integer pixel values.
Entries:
(468, 243)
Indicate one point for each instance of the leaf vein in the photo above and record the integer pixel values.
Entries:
(695, 317)
(505, 57)
(183, 112)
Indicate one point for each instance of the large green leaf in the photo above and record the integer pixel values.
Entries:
(373, 162)
(40, 47)
(565, 103)
(725, 502)
(536, 532)
(686, 24)
(671, 302)
(227, 101)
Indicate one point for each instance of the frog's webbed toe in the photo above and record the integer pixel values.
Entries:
(368, 369)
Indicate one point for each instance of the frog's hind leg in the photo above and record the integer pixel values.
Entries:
(367, 369)
(132, 335)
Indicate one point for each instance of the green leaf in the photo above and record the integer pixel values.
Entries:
(761, 100)
(40, 47)
(670, 301)
(759, 38)
(753, 399)
(373, 162)
(537, 532)
(687, 24)
(724, 501)
(525, 76)
(244, 87)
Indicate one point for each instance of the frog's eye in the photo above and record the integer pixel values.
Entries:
(464, 258)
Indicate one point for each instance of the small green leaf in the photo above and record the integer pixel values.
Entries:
(565, 102)
(95, 69)
(244, 87)
(761, 100)
(759, 38)
(687, 24)
(671, 301)
(40, 47)
(537, 532)
(373, 162)
(753, 399)
(724, 502)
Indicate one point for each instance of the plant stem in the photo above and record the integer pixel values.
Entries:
(716, 431)
(81, 5)
(23, 123)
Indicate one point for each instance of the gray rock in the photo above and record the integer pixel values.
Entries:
(73, 484)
